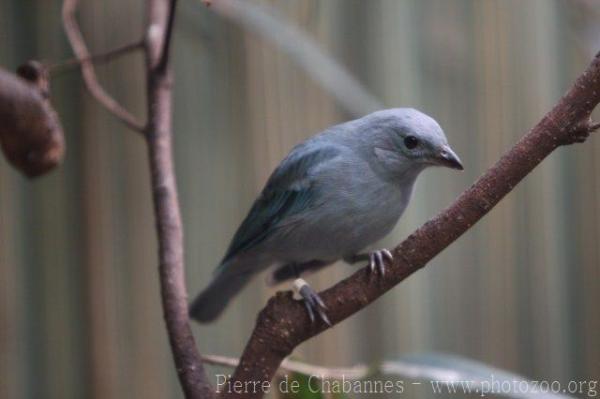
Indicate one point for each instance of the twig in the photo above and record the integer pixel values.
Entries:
(87, 68)
(283, 324)
(100, 58)
(166, 47)
(190, 369)
(336, 79)
(593, 127)
(357, 372)
(354, 372)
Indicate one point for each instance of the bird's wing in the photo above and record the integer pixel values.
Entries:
(289, 190)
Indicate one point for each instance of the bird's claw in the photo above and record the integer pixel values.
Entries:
(377, 260)
(312, 301)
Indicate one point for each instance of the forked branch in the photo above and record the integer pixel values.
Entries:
(88, 71)
(158, 134)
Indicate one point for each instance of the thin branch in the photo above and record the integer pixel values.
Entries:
(304, 51)
(357, 372)
(166, 48)
(190, 369)
(335, 373)
(87, 68)
(283, 324)
(101, 58)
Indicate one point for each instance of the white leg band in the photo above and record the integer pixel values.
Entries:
(299, 283)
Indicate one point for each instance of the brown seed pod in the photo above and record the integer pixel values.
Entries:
(30, 132)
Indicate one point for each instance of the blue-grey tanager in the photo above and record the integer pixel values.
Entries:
(333, 195)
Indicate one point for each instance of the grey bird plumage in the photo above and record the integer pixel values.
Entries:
(332, 196)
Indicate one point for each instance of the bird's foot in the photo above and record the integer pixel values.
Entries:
(312, 301)
(376, 259)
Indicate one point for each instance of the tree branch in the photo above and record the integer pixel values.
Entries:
(100, 58)
(166, 47)
(190, 369)
(158, 133)
(283, 324)
(87, 68)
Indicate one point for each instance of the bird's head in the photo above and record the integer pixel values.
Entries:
(406, 140)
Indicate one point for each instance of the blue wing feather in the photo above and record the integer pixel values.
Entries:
(289, 191)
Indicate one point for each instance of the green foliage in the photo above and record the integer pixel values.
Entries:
(299, 388)
(303, 386)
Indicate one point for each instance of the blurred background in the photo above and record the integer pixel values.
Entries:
(79, 300)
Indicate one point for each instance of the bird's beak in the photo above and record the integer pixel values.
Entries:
(448, 158)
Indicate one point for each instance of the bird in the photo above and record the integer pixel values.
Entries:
(334, 195)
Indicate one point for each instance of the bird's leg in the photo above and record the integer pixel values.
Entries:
(312, 301)
(291, 271)
(376, 259)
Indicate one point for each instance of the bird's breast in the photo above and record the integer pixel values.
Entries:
(351, 214)
(375, 212)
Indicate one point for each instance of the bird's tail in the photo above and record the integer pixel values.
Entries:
(211, 302)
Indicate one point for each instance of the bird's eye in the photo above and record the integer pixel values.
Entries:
(411, 142)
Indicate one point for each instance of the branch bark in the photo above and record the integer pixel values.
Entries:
(190, 369)
(283, 324)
